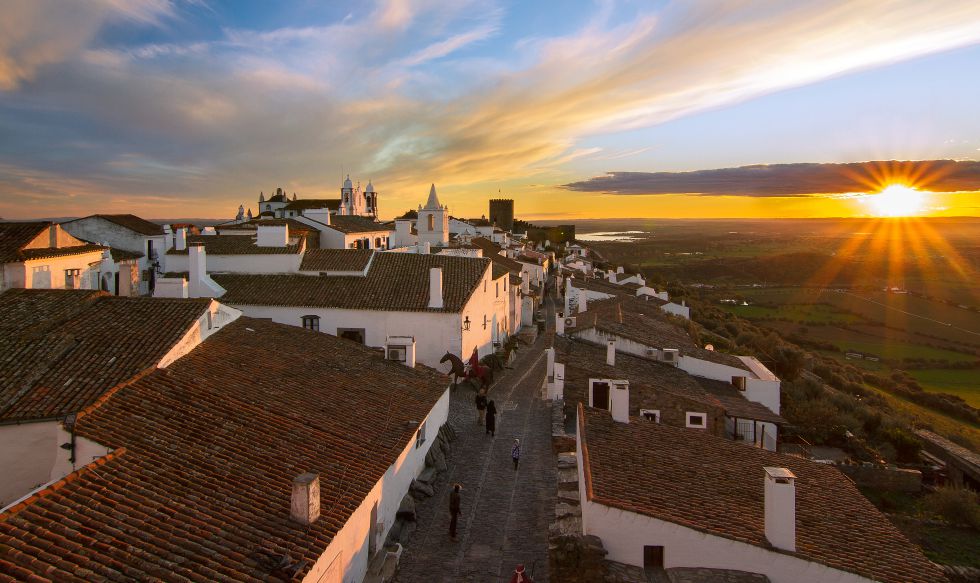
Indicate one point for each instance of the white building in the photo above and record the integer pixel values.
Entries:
(661, 497)
(223, 446)
(145, 241)
(433, 221)
(41, 255)
(352, 202)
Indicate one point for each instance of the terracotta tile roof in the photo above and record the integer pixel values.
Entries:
(355, 224)
(336, 259)
(48, 252)
(642, 321)
(715, 486)
(735, 403)
(395, 282)
(237, 245)
(492, 252)
(304, 204)
(207, 451)
(648, 378)
(601, 286)
(62, 349)
(123, 255)
(499, 271)
(13, 237)
(134, 223)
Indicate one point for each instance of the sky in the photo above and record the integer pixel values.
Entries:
(575, 109)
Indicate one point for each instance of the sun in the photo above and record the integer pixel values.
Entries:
(897, 200)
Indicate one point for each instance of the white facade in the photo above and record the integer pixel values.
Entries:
(433, 222)
(105, 232)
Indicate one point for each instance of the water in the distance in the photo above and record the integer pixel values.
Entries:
(610, 236)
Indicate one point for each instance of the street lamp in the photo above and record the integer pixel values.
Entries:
(466, 323)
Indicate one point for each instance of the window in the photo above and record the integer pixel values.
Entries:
(311, 323)
(71, 278)
(420, 436)
(484, 321)
(377, 242)
(496, 289)
(697, 420)
(355, 334)
(650, 414)
(600, 395)
(210, 320)
(432, 222)
(653, 558)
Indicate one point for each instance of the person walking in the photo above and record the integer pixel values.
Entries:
(520, 576)
(491, 418)
(454, 509)
(481, 406)
(515, 452)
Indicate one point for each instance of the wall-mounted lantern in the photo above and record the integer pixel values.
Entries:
(466, 323)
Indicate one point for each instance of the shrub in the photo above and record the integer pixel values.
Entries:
(955, 505)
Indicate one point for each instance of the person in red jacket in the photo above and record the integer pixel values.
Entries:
(520, 576)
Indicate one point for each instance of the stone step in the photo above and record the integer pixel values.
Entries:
(568, 496)
(563, 510)
(567, 475)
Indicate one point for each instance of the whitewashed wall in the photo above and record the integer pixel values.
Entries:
(255, 264)
(31, 274)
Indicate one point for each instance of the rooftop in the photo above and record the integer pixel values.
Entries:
(62, 349)
(395, 282)
(714, 486)
(355, 224)
(336, 260)
(206, 451)
(304, 204)
(236, 245)
(133, 223)
(253, 225)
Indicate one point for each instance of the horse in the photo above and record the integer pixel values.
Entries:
(481, 373)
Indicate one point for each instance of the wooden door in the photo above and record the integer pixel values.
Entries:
(600, 396)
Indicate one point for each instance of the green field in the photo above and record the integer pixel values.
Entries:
(962, 383)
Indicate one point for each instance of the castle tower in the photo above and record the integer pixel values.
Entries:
(433, 221)
(502, 213)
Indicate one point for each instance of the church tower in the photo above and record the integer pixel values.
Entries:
(433, 221)
(346, 198)
(371, 201)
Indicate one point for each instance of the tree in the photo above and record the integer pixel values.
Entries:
(788, 362)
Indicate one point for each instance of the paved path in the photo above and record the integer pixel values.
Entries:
(506, 513)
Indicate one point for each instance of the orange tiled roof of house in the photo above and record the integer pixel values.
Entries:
(715, 486)
(237, 245)
(355, 224)
(206, 451)
(336, 259)
(60, 350)
(15, 236)
(395, 281)
(133, 223)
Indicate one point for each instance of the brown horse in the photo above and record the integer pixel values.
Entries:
(481, 373)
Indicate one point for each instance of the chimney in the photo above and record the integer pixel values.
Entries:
(620, 269)
(550, 354)
(181, 241)
(208, 231)
(435, 287)
(168, 238)
(525, 285)
(781, 508)
(583, 301)
(272, 236)
(401, 349)
(427, 248)
(305, 505)
(619, 401)
(611, 353)
(560, 324)
(318, 215)
(197, 267)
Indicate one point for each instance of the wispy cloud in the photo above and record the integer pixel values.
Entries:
(791, 180)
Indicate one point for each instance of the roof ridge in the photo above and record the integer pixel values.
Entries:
(53, 487)
(113, 390)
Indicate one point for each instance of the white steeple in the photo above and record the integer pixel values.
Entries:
(348, 183)
(370, 187)
(433, 202)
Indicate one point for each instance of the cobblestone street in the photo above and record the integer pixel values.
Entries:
(505, 513)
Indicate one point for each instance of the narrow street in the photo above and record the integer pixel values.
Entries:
(505, 513)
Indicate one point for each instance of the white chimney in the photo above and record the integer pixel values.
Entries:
(620, 269)
(427, 248)
(525, 285)
(611, 353)
(168, 238)
(583, 302)
(435, 287)
(272, 236)
(619, 401)
(559, 324)
(318, 215)
(550, 355)
(305, 505)
(208, 231)
(181, 241)
(781, 508)
(401, 349)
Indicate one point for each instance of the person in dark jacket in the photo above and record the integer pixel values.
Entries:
(454, 509)
(481, 406)
(491, 418)
(515, 452)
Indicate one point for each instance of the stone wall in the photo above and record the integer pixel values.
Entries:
(884, 478)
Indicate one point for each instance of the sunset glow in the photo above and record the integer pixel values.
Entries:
(897, 200)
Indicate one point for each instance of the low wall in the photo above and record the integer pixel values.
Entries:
(880, 478)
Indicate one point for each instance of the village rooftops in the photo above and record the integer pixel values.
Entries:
(355, 224)
(63, 349)
(711, 485)
(336, 260)
(642, 321)
(394, 282)
(131, 222)
(253, 225)
(237, 245)
(205, 452)
(602, 286)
